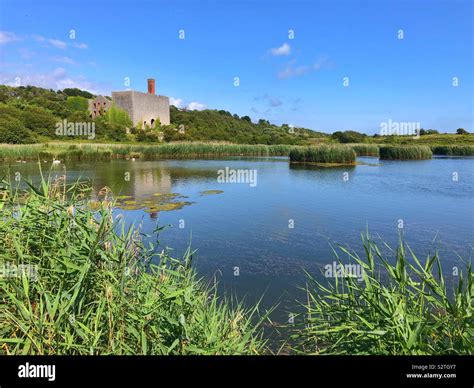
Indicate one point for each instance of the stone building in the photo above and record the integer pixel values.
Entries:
(144, 109)
(98, 106)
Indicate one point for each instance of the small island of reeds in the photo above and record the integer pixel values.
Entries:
(324, 155)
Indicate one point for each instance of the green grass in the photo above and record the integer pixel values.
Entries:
(441, 139)
(323, 154)
(365, 149)
(453, 150)
(89, 151)
(405, 152)
(99, 289)
(403, 307)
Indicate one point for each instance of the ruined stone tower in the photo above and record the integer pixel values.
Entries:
(144, 109)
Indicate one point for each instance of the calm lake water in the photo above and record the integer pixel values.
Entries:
(270, 233)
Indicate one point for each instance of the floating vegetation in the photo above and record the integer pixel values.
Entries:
(153, 203)
(211, 192)
(166, 207)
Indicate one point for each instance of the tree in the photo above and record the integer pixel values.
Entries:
(424, 132)
(77, 103)
(77, 92)
(349, 137)
(462, 131)
(39, 120)
(13, 131)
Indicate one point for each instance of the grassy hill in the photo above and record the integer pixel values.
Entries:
(29, 114)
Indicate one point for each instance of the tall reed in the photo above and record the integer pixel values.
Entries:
(365, 149)
(90, 285)
(405, 152)
(453, 150)
(405, 307)
(85, 151)
(324, 154)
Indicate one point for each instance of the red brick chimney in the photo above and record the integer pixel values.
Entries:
(151, 86)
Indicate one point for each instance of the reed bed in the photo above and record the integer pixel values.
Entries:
(405, 152)
(403, 307)
(453, 150)
(324, 154)
(365, 149)
(89, 285)
(84, 151)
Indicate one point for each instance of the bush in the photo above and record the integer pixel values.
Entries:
(13, 131)
(118, 116)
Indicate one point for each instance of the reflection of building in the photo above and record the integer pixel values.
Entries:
(144, 109)
(148, 181)
(98, 106)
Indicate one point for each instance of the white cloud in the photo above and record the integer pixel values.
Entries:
(56, 79)
(177, 102)
(7, 37)
(53, 42)
(81, 46)
(26, 53)
(196, 106)
(284, 49)
(57, 43)
(295, 71)
(64, 59)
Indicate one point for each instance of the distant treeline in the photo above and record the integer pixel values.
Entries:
(29, 114)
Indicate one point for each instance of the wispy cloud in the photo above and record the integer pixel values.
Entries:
(7, 37)
(271, 101)
(53, 42)
(81, 46)
(283, 50)
(291, 70)
(56, 79)
(64, 59)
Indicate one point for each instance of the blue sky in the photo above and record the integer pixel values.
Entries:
(297, 81)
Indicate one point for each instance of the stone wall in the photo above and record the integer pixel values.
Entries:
(98, 106)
